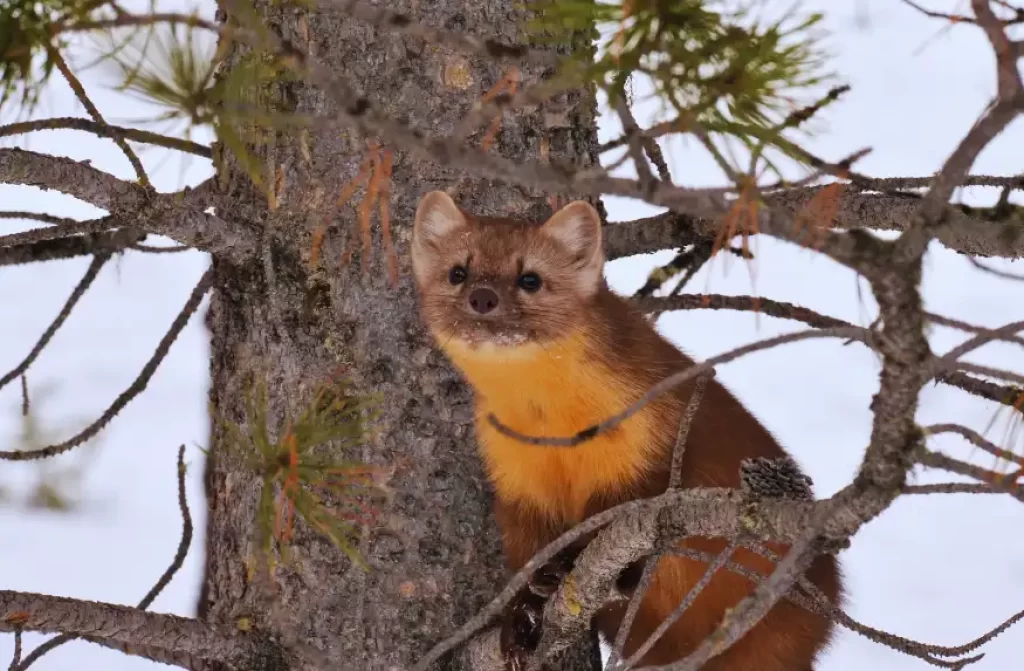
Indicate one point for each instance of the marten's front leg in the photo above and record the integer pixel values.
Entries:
(523, 619)
(524, 533)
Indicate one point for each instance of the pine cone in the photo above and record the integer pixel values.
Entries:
(781, 478)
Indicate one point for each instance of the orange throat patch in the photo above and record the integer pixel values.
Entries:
(554, 389)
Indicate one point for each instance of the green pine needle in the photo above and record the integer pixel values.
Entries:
(329, 495)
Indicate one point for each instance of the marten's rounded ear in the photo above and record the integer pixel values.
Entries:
(436, 216)
(577, 226)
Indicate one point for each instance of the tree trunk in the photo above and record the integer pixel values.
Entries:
(434, 557)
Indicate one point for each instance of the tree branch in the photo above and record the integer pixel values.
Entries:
(70, 247)
(122, 626)
(873, 211)
(83, 97)
(180, 216)
(133, 390)
(74, 178)
(161, 583)
(673, 381)
(1004, 395)
(83, 285)
(106, 130)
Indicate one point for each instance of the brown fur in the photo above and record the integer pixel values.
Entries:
(561, 359)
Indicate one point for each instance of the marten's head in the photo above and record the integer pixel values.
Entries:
(500, 283)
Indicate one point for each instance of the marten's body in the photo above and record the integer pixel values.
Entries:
(553, 364)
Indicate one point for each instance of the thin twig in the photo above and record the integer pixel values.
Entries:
(997, 373)
(923, 651)
(853, 333)
(17, 650)
(699, 386)
(161, 583)
(133, 390)
(106, 130)
(752, 608)
(83, 98)
(1004, 395)
(150, 249)
(635, 146)
(674, 480)
(995, 480)
(61, 230)
(60, 249)
(83, 285)
(950, 488)
(619, 645)
(983, 337)
(691, 596)
(978, 440)
(24, 396)
(37, 216)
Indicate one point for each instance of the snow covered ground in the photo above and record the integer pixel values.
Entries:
(942, 569)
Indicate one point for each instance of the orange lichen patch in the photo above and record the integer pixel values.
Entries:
(366, 207)
(276, 191)
(507, 84)
(347, 190)
(375, 173)
(545, 158)
(18, 617)
(385, 218)
(820, 213)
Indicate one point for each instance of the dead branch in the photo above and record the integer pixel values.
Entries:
(70, 247)
(161, 583)
(675, 380)
(59, 231)
(106, 130)
(977, 439)
(718, 562)
(90, 107)
(78, 179)
(996, 481)
(133, 390)
(122, 626)
(1004, 395)
(35, 216)
(180, 216)
(83, 285)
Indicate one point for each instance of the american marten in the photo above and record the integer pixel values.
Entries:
(523, 312)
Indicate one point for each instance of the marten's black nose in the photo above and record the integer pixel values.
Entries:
(483, 300)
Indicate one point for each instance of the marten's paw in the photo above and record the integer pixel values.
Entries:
(520, 628)
(524, 616)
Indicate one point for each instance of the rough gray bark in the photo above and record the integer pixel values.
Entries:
(435, 559)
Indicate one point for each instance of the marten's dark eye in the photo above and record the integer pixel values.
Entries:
(457, 275)
(529, 282)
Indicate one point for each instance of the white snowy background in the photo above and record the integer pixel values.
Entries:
(942, 569)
